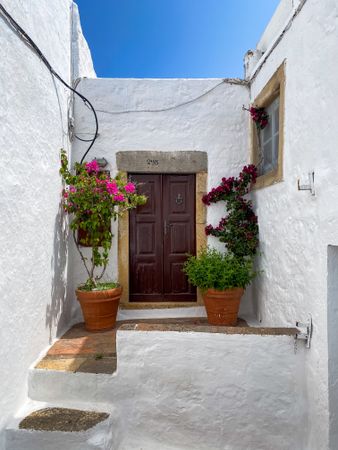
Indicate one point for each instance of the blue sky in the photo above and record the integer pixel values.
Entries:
(172, 38)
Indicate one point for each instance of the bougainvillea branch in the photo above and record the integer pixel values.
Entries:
(259, 116)
(94, 199)
(239, 229)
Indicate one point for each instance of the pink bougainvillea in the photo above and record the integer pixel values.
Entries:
(119, 198)
(130, 188)
(259, 116)
(112, 188)
(239, 229)
(95, 199)
(92, 166)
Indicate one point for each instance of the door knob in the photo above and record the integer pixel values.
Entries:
(167, 226)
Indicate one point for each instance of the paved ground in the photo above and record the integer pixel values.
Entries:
(79, 350)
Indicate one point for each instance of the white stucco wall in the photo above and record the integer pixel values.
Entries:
(33, 122)
(296, 228)
(201, 391)
(214, 124)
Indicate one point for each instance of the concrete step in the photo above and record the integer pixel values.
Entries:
(72, 426)
(57, 385)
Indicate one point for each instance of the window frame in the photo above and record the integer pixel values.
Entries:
(274, 88)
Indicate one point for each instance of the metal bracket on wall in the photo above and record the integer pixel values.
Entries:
(304, 333)
(308, 187)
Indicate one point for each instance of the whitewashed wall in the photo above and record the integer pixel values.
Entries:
(295, 228)
(201, 391)
(33, 122)
(214, 124)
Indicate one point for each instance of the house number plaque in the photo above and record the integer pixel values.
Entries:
(153, 162)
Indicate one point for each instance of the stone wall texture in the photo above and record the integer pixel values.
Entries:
(33, 238)
(295, 227)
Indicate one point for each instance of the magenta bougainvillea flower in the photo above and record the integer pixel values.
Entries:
(130, 188)
(119, 198)
(92, 166)
(239, 229)
(259, 116)
(112, 187)
(94, 199)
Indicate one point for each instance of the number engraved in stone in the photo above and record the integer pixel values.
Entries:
(153, 162)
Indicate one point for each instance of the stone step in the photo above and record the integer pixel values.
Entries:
(70, 426)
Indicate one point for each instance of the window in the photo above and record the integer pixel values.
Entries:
(269, 140)
(267, 144)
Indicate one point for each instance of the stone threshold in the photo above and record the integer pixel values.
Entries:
(159, 305)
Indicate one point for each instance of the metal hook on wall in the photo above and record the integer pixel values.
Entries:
(308, 187)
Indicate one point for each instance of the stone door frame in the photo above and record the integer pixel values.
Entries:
(161, 162)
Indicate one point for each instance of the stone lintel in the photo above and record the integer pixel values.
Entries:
(162, 162)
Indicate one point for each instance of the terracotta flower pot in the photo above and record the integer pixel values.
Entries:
(222, 306)
(99, 308)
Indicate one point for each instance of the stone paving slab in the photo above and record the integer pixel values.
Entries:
(102, 365)
(68, 364)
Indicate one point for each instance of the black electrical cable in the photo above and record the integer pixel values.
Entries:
(29, 41)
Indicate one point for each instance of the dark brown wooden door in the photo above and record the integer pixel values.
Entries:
(161, 233)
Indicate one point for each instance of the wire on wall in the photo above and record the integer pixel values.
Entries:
(31, 44)
(179, 105)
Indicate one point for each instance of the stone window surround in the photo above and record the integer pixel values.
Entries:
(274, 88)
(161, 162)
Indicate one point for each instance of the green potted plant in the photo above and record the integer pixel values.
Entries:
(222, 277)
(94, 199)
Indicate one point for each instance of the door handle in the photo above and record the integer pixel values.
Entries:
(166, 227)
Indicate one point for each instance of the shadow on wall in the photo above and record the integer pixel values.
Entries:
(57, 313)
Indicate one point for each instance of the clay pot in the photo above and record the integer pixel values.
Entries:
(222, 306)
(99, 308)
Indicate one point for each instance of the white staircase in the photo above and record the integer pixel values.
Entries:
(102, 436)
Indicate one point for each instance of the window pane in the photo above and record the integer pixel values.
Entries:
(276, 117)
(275, 150)
(266, 133)
(269, 140)
(267, 156)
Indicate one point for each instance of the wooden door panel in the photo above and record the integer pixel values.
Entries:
(145, 238)
(179, 284)
(179, 237)
(145, 241)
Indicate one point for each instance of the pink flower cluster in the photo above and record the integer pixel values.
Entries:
(130, 188)
(102, 186)
(259, 116)
(92, 166)
(232, 186)
(119, 198)
(112, 187)
(239, 229)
